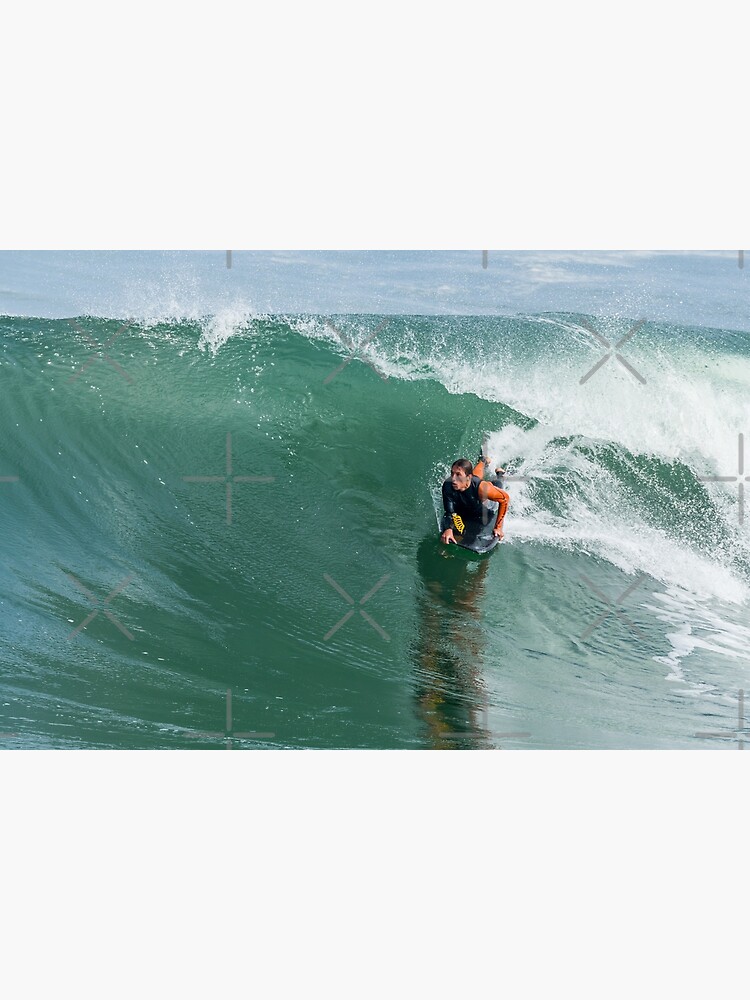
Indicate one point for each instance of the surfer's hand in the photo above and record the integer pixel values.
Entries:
(498, 531)
(447, 537)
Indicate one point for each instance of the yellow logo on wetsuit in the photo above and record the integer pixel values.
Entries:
(460, 526)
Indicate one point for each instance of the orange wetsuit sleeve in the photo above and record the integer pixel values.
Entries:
(479, 470)
(489, 492)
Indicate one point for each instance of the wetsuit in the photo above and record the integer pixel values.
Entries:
(467, 503)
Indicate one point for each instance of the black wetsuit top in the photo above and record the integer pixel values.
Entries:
(465, 503)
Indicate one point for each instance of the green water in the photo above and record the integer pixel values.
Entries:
(235, 584)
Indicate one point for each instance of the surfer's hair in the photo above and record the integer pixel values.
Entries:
(464, 465)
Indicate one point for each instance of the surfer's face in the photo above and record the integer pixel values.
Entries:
(459, 479)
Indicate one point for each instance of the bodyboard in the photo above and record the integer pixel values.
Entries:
(476, 536)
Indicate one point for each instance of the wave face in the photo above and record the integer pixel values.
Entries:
(247, 504)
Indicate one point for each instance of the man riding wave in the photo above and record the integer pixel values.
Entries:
(464, 496)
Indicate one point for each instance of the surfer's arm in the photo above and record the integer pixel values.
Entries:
(489, 492)
(479, 469)
(448, 505)
(447, 535)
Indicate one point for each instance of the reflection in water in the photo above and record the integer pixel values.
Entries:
(450, 694)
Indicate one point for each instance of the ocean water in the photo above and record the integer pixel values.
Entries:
(219, 496)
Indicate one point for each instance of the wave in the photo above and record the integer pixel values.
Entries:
(611, 467)
(222, 464)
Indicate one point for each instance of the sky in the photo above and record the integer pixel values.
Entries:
(703, 289)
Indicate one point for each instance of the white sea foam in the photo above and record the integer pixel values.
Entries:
(216, 330)
(698, 625)
(683, 414)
